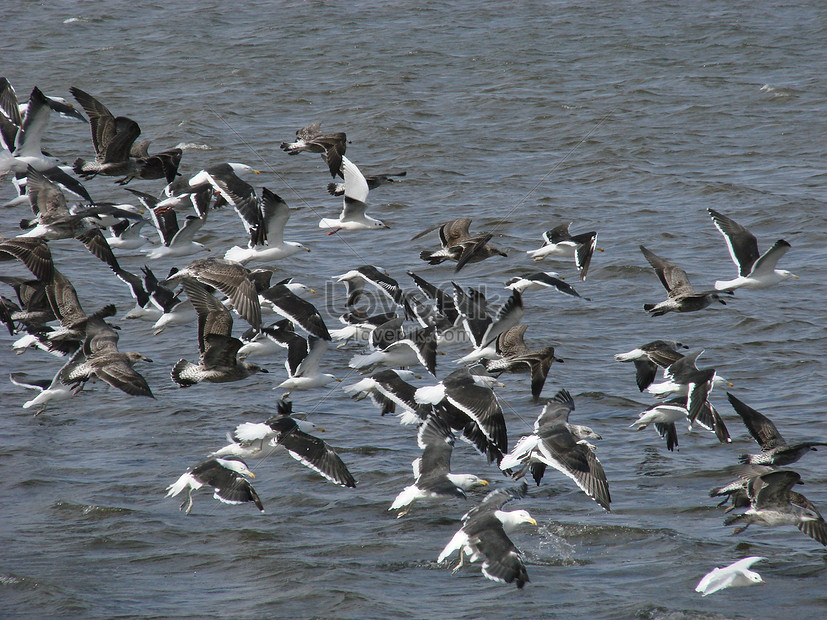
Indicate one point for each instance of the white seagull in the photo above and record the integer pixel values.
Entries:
(353, 215)
(736, 574)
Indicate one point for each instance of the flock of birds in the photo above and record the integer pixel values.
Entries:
(397, 345)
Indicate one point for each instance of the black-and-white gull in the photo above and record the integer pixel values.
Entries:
(374, 181)
(417, 347)
(755, 270)
(303, 360)
(483, 330)
(389, 389)
(261, 440)
(176, 240)
(684, 378)
(681, 297)
(225, 180)
(773, 502)
(174, 309)
(217, 347)
(649, 356)
(542, 279)
(264, 219)
(126, 235)
(224, 475)
(229, 277)
(353, 216)
(444, 301)
(310, 139)
(468, 404)
(484, 536)
(775, 450)
(663, 417)
(22, 133)
(459, 245)
(102, 359)
(355, 280)
(358, 325)
(286, 303)
(432, 470)
(268, 341)
(736, 574)
(559, 242)
(558, 444)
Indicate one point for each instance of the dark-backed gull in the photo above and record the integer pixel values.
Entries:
(774, 448)
(389, 389)
(224, 475)
(355, 280)
(417, 347)
(663, 417)
(542, 279)
(358, 325)
(22, 132)
(175, 241)
(684, 378)
(264, 219)
(681, 297)
(303, 360)
(649, 356)
(736, 574)
(558, 444)
(374, 181)
(560, 242)
(483, 330)
(286, 303)
(261, 440)
(755, 270)
(55, 390)
(484, 536)
(432, 471)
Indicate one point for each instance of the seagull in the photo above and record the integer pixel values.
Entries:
(310, 139)
(775, 450)
(224, 475)
(251, 440)
(484, 536)
(374, 181)
(558, 444)
(681, 297)
(33, 252)
(229, 277)
(482, 330)
(663, 416)
(269, 341)
(516, 357)
(418, 347)
(100, 358)
(175, 241)
(286, 303)
(22, 132)
(217, 363)
(126, 235)
(223, 178)
(355, 280)
(754, 271)
(542, 279)
(353, 216)
(649, 356)
(389, 389)
(303, 359)
(264, 221)
(458, 245)
(55, 390)
(736, 574)
(772, 502)
(359, 325)
(432, 471)
(683, 378)
(112, 138)
(468, 404)
(161, 165)
(560, 242)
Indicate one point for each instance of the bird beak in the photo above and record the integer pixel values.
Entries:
(307, 249)
(483, 483)
(208, 249)
(264, 370)
(252, 475)
(557, 359)
(256, 171)
(386, 227)
(730, 384)
(600, 249)
(532, 521)
(499, 384)
(319, 429)
(339, 380)
(146, 359)
(417, 376)
(312, 291)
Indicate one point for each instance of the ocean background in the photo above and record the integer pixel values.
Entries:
(628, 118)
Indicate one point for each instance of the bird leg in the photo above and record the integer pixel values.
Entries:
(461, 562)
(333, 232)
(189, 498)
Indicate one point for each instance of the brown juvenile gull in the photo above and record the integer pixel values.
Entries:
(218, 363)
(458, 245)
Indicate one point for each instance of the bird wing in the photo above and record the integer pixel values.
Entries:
(356, 187)
(741, 243)
(276, 213)
(759, 426)
(673, 278)
(766, 263)
(314, 453)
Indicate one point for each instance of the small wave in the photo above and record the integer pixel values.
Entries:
(192, 146)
